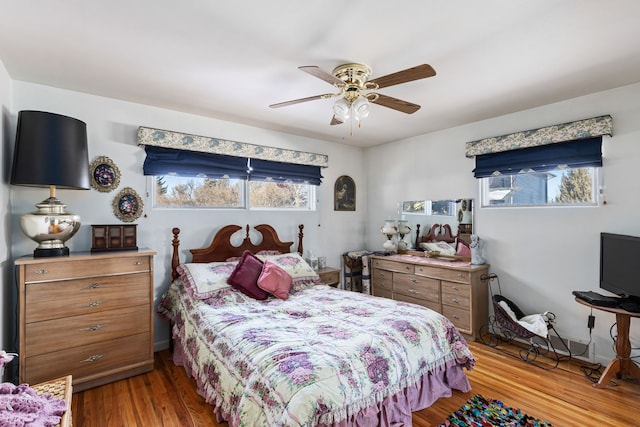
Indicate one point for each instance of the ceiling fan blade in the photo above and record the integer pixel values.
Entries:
(321, 74)
(395, 104)
(410, 74)
(298, 101)
(335, 121)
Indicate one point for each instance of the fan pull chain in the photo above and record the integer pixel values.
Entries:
(351, 120)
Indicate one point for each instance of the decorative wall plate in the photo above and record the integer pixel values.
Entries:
(127, 205)
(104, 174)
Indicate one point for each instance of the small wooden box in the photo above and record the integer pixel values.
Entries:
(113, 237)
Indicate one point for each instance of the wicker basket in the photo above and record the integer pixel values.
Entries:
(60, 388)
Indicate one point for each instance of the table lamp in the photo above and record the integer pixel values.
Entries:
(50, 151)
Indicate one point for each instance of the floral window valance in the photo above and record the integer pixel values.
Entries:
(183, 141)
(582, 129)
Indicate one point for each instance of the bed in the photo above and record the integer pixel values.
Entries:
(313, 356)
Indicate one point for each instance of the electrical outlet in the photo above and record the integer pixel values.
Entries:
(591, 322)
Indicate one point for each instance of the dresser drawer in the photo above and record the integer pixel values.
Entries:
(382, 278)
(460, 317)
(86, 360)
(456, 294)
(423, 302)
(393, 265)
(379, 291)
(382, 283)
(443, 273)
(46, 271)
(416, 286)
(53, 335)
(52, 300)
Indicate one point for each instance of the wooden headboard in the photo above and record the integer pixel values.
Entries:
(221, 248)
(437, 233)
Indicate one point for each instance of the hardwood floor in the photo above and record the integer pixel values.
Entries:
(563, 396)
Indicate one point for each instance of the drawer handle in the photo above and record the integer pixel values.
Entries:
(454, 300)
(455, 288)
(414, 280)
(137, 263)
(42, 271)
(93, 328)
(461, 275)
(94, 286)
(93, 358)
(456, 317)
(95, 304)
(413, 291)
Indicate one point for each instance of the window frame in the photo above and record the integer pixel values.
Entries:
(244, 199)
(597, 193)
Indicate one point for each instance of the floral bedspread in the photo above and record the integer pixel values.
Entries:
(316, 358)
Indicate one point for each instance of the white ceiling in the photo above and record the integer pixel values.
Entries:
(231, 59)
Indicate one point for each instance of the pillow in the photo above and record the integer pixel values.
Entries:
(204, 280)
(293, 264)
(268, 252)
(262, 252)
(245, 276)
(443, 247)
(463, 249)
(274, 280)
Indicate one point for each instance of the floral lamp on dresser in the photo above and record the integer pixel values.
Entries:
(389, 229)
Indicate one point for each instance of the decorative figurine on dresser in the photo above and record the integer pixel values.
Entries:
(477, 249)
(89, 315)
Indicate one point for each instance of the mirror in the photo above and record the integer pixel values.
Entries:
(457, 213)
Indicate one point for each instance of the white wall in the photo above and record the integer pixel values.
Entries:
(539, 254)
(6, 323)
(111, 127)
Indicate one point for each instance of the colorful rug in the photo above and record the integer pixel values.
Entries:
(482, 412)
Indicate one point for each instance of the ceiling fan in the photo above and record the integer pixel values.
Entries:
(357, 91)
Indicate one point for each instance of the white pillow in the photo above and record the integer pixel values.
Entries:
(204, 280)
(293, 264)
(443, 247)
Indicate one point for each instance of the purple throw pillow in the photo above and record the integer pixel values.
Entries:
(245, 276)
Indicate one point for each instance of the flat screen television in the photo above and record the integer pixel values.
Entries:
(620, 265)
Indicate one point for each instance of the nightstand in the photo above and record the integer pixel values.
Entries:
(330, 276)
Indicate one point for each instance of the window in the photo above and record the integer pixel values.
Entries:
(220, 193)
(281, 195)
(559, 187)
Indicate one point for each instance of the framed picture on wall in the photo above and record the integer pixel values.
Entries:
(344, 194)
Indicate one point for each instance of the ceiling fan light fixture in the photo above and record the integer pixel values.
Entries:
(341, 109)
(360, 108)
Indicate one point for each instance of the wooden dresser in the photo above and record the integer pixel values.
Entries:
(451, 288)
(85, 315)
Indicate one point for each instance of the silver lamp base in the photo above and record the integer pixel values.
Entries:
(50, 226)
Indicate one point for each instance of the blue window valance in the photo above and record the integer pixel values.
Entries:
(168, 161)
(573, 154)
(549, 135)
(265, 170)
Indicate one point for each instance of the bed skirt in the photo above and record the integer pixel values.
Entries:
(392, 411)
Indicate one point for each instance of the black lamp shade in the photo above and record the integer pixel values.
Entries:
(51, 149)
